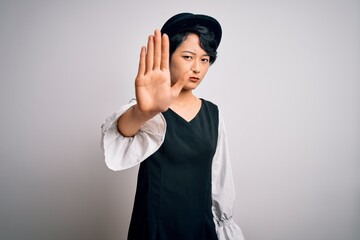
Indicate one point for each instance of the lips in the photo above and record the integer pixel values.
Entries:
(194, 79)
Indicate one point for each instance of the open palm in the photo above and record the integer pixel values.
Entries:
(154, 92)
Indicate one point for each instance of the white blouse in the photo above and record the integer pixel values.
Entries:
(125, 152)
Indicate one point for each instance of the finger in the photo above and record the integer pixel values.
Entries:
(157, 49)
(150, 54)
(165, 52)
(142, 65)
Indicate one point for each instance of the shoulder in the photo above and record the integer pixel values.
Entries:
(213, 111)
(210, 104)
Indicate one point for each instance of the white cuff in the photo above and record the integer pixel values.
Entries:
(227, 229)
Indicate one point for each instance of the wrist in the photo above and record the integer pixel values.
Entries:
(141, 115)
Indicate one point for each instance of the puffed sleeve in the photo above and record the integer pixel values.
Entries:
(223, 193)
(124, 152)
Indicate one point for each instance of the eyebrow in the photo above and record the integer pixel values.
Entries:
(204, 55)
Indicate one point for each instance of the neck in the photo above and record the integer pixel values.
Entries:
(185, 97)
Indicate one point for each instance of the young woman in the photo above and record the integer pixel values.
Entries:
(185, 188)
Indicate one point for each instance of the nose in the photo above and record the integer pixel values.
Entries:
(195, 67)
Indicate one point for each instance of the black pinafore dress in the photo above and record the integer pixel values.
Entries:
(173, 195)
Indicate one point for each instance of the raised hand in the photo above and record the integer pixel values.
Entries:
(154, 92)
(153, 88)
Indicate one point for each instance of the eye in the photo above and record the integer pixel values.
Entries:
(187, 57)
(205, 60)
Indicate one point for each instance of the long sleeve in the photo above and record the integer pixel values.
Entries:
(125, 152)
(223, 193)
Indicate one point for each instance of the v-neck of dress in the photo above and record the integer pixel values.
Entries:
(195, 116)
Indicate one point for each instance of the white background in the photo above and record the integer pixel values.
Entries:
(287, 80)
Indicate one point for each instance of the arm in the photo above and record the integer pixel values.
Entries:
(223, 193)
(124, 152)
(138, 129)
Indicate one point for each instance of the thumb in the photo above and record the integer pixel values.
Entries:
(179, 85)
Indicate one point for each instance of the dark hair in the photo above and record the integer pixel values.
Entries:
(207, 41)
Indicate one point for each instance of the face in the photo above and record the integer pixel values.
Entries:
(189, 61)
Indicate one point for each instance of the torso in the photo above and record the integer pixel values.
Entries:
(173, 196)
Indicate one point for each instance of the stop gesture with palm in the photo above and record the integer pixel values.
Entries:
(154, 91)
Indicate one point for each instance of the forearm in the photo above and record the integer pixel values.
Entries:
(131, 121)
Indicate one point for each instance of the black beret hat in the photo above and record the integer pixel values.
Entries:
(183, 21)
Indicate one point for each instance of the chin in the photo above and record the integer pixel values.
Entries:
(190, 88)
